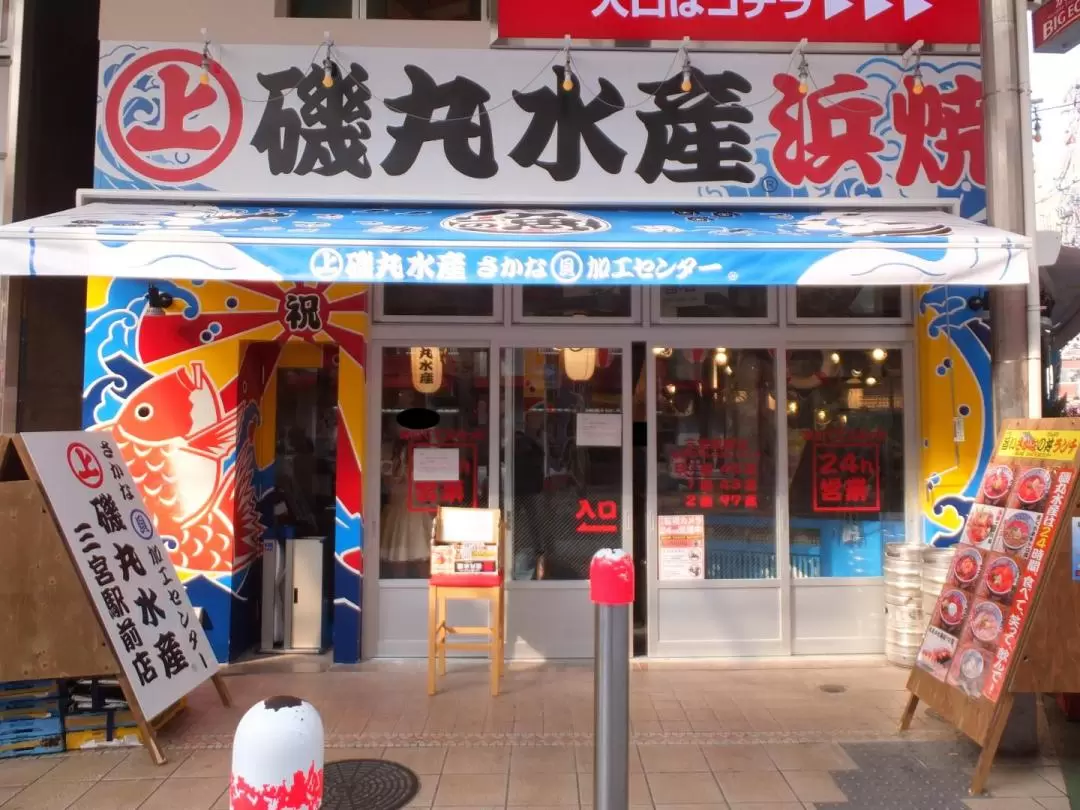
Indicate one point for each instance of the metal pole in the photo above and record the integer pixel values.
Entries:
(1007, 140)
(611, 588)
(612, 740)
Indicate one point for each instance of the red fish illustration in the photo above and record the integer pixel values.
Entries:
(175, 435)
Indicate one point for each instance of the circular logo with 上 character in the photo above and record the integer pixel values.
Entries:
(525, 222)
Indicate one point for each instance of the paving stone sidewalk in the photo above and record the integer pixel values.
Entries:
(750, 736)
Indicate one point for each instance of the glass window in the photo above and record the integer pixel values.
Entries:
(569, 302)
(320, 8)
(849, 302)
(423, 9)
(564, 469)
(453, 383)
(713, 302)
(418, 300)
(716, 453)
(845, 460)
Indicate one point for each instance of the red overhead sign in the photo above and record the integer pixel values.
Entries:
(1053, 26)
(940, 22)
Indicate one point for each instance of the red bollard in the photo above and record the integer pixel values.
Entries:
(611, 588)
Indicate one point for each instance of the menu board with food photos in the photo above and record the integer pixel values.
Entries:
(980, 616)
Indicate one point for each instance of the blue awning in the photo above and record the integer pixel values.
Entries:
(455, 245)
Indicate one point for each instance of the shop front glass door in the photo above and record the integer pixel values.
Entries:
(564, 477)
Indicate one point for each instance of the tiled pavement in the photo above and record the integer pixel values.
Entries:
(755, 736)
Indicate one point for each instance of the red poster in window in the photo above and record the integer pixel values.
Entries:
(719, 474)
(856, 21)
(847, 477)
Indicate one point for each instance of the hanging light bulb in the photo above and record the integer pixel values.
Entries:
(204, 76)
(822, 416)
(686, 85)
(793, 407)
(669, 389)
(804, 77)
(721, 357)
(328, 73)
(871, 381)
(879, 355)
(568, 76)
(917, 85)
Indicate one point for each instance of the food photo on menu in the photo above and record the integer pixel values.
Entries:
(936, 653)
(966, 567)
(982, 524)
(1017, 532)
(970, 667)
(997, 483)
(1032, 488)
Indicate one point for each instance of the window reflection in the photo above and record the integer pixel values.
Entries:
(416, 481)
(849, 302)
(565, 468)
(714, 302)
(845, 460)
(716, 453)
(459, 301)
(594, 301)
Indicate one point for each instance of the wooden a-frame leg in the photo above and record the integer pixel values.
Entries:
(222, 690)
(909, 712)
(149, 736)
(433, 629)
(989, 750)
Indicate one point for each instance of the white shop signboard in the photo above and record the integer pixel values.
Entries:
(141, 604)
(498, 125)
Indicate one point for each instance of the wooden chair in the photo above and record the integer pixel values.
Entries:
(461, 540)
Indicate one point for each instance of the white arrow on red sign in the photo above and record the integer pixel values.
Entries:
(913, 8)
(834, 7)
(874, 7)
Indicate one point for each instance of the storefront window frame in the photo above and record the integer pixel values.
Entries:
(376, 587)
(518, 309)
(907, 309)
(379, 315)
(780, 338)
(771, 317)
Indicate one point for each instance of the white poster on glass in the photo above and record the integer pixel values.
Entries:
(682, 546)
(436, 464)
(599, 430)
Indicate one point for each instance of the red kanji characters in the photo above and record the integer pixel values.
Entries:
(177, 107)
(607, 511)
(831, 490)
(942, 133)
(840, 131)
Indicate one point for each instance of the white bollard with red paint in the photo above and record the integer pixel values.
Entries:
(277, 757)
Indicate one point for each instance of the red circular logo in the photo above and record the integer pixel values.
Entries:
(174, 128)
(85, 465)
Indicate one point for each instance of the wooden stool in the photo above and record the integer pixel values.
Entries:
(480, 587)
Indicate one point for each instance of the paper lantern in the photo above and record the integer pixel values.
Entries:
(579, 364)
(427, 368)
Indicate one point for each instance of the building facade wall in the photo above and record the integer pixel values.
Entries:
(188, 395)
(953, 367)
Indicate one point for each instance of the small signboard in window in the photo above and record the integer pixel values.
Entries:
(847, 477)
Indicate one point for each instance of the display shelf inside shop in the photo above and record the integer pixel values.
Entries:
(96, 715)
(31, 718)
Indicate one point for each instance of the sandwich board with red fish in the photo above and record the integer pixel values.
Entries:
(93, 589)
(999, 626)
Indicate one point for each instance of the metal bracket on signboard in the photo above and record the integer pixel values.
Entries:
(913, 53)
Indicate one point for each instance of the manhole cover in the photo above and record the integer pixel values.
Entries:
(368, 784)
(833, 688)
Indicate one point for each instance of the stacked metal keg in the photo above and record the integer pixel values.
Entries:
(903, 603)
(935, 570)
